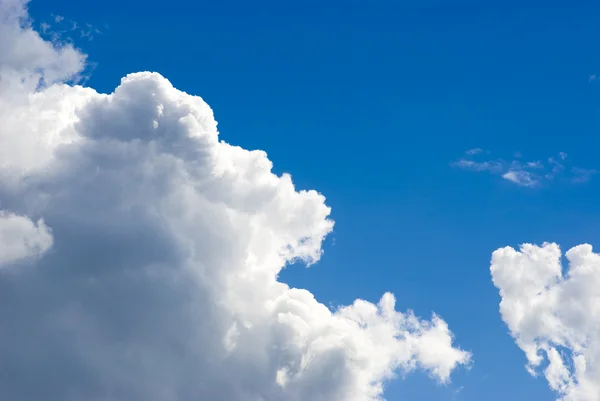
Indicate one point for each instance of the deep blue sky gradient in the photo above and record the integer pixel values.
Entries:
(369, 102)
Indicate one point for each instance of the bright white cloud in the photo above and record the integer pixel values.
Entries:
(22, 238)
(25, 56)
(167, 243)
(554, 316)
(527, 174)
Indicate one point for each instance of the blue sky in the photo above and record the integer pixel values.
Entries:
(370, 103)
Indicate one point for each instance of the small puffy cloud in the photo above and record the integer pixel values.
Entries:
(536, 164)
(553, 315)
(167, 243)
(22, 238)
(520, 177)
(524, 173)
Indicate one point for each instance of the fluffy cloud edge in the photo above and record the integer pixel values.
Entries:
(21, 238)
(551, 313)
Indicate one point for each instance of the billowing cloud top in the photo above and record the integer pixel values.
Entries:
(153, 274)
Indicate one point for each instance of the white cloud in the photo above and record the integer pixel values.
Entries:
(492, 166)
(536, 164)
(24, 55)
(167, 243)
(22, 238)
(527, 174)
(552, 315)
(520, 177)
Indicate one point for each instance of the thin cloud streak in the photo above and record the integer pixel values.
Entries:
(524, 173)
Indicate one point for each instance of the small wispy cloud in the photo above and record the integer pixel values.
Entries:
(524, 173)
(45, 27)
(521, 177)
(457, 392)
(474, 151)
(61, 29)
(478, 166)
(593, 78)
(582, 175)
(536, 165)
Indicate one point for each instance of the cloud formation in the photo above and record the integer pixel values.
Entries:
(524, 173)
(151, 271)
(553, 316)
(61, 29)
(520, 177)
(25, 56)
(474, 151)
(22, 238)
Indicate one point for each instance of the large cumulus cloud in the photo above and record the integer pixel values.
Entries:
(554, 316)
(140, 255)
